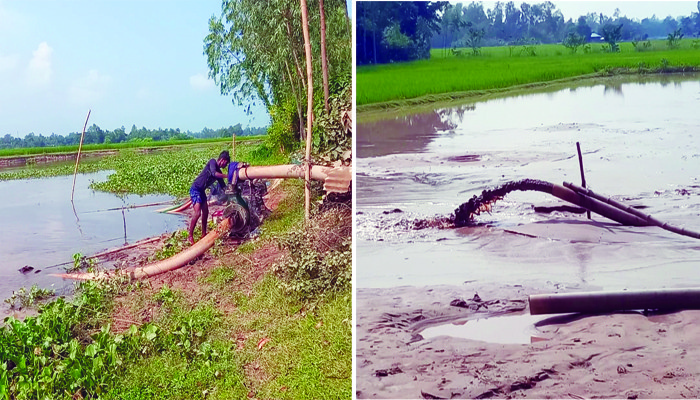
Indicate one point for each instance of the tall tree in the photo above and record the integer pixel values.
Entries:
(255, 53)
(324, 58)
(383, 28)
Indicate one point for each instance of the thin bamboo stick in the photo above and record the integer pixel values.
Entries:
(77, 160)
(583, 176)
(309, 109)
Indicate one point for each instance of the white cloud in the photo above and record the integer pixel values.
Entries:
(90, 88)
(200, 82)
(39, 71)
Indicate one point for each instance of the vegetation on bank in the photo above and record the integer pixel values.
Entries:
(283, 336)
(165, 171)
(495, 68)
(136, 144)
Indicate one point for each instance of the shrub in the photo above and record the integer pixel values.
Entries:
(332, 136)
(319, 259)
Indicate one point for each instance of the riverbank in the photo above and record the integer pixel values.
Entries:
(615, 355)
(224, 326)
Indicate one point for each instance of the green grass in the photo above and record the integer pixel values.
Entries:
(118, 146)
(309, 353)
(444, 77)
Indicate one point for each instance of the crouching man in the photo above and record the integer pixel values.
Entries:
(210, 174)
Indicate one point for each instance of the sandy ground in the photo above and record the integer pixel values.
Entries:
(619, 355)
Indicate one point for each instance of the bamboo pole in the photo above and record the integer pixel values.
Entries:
(233, 146)
(583, 176)
(77, 160)
(309, 108)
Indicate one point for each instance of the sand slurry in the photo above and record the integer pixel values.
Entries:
(618, 355)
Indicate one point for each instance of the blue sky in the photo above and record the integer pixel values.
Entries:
(131, 62)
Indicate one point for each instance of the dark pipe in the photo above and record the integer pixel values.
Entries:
(465, 213)
(647, 218)
(602, 302)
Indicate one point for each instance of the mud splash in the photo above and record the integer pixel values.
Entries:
(464, 215)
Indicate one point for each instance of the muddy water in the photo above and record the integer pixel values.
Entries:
(41, 227)
(640, 143)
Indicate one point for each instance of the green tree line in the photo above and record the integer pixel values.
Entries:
(96, 135)
(507, 23)
(403, 31)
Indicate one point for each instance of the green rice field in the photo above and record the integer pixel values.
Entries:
(447, 75)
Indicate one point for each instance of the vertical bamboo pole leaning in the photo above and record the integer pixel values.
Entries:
(233, 146)
(309, 108)
(77, 160)
(583, 177)
(324, 57)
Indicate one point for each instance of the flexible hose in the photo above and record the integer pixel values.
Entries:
(159, 267)
(464, 215)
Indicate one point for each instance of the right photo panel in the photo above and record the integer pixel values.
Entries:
(528, 199)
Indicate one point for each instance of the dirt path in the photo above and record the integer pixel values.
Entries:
(621, 355)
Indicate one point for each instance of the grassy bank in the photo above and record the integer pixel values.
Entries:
(241, 328)
(449, 76)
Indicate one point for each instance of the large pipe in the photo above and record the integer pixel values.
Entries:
(603, 302)
(159, 267)
(647, 218)
(318, 173)
(465, 212)
(597, 206)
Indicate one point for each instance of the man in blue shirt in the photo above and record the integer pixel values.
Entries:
(210, 174)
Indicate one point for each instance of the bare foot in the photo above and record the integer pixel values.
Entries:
(191, 239)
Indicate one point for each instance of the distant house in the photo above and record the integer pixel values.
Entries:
(595, 38)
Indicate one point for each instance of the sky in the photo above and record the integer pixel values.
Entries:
(632, 9)
(130, 62)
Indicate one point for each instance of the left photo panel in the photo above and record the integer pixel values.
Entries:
(177, 218)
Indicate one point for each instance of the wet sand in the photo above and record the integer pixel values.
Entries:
(639, 146)
(619, 355)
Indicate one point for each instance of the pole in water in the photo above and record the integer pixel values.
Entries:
(124, 219)
(583, 177)
(77, 160)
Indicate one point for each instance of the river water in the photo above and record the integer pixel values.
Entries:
(641, 145)
(42, 228)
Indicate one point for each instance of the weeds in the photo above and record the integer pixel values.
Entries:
(319, 257)
(24, 298)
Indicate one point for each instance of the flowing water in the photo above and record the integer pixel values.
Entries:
(641, 145)
(42, 228)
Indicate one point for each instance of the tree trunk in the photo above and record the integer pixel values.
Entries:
(297, 100)
(324, 58)
(294, 53)
(309, 107)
